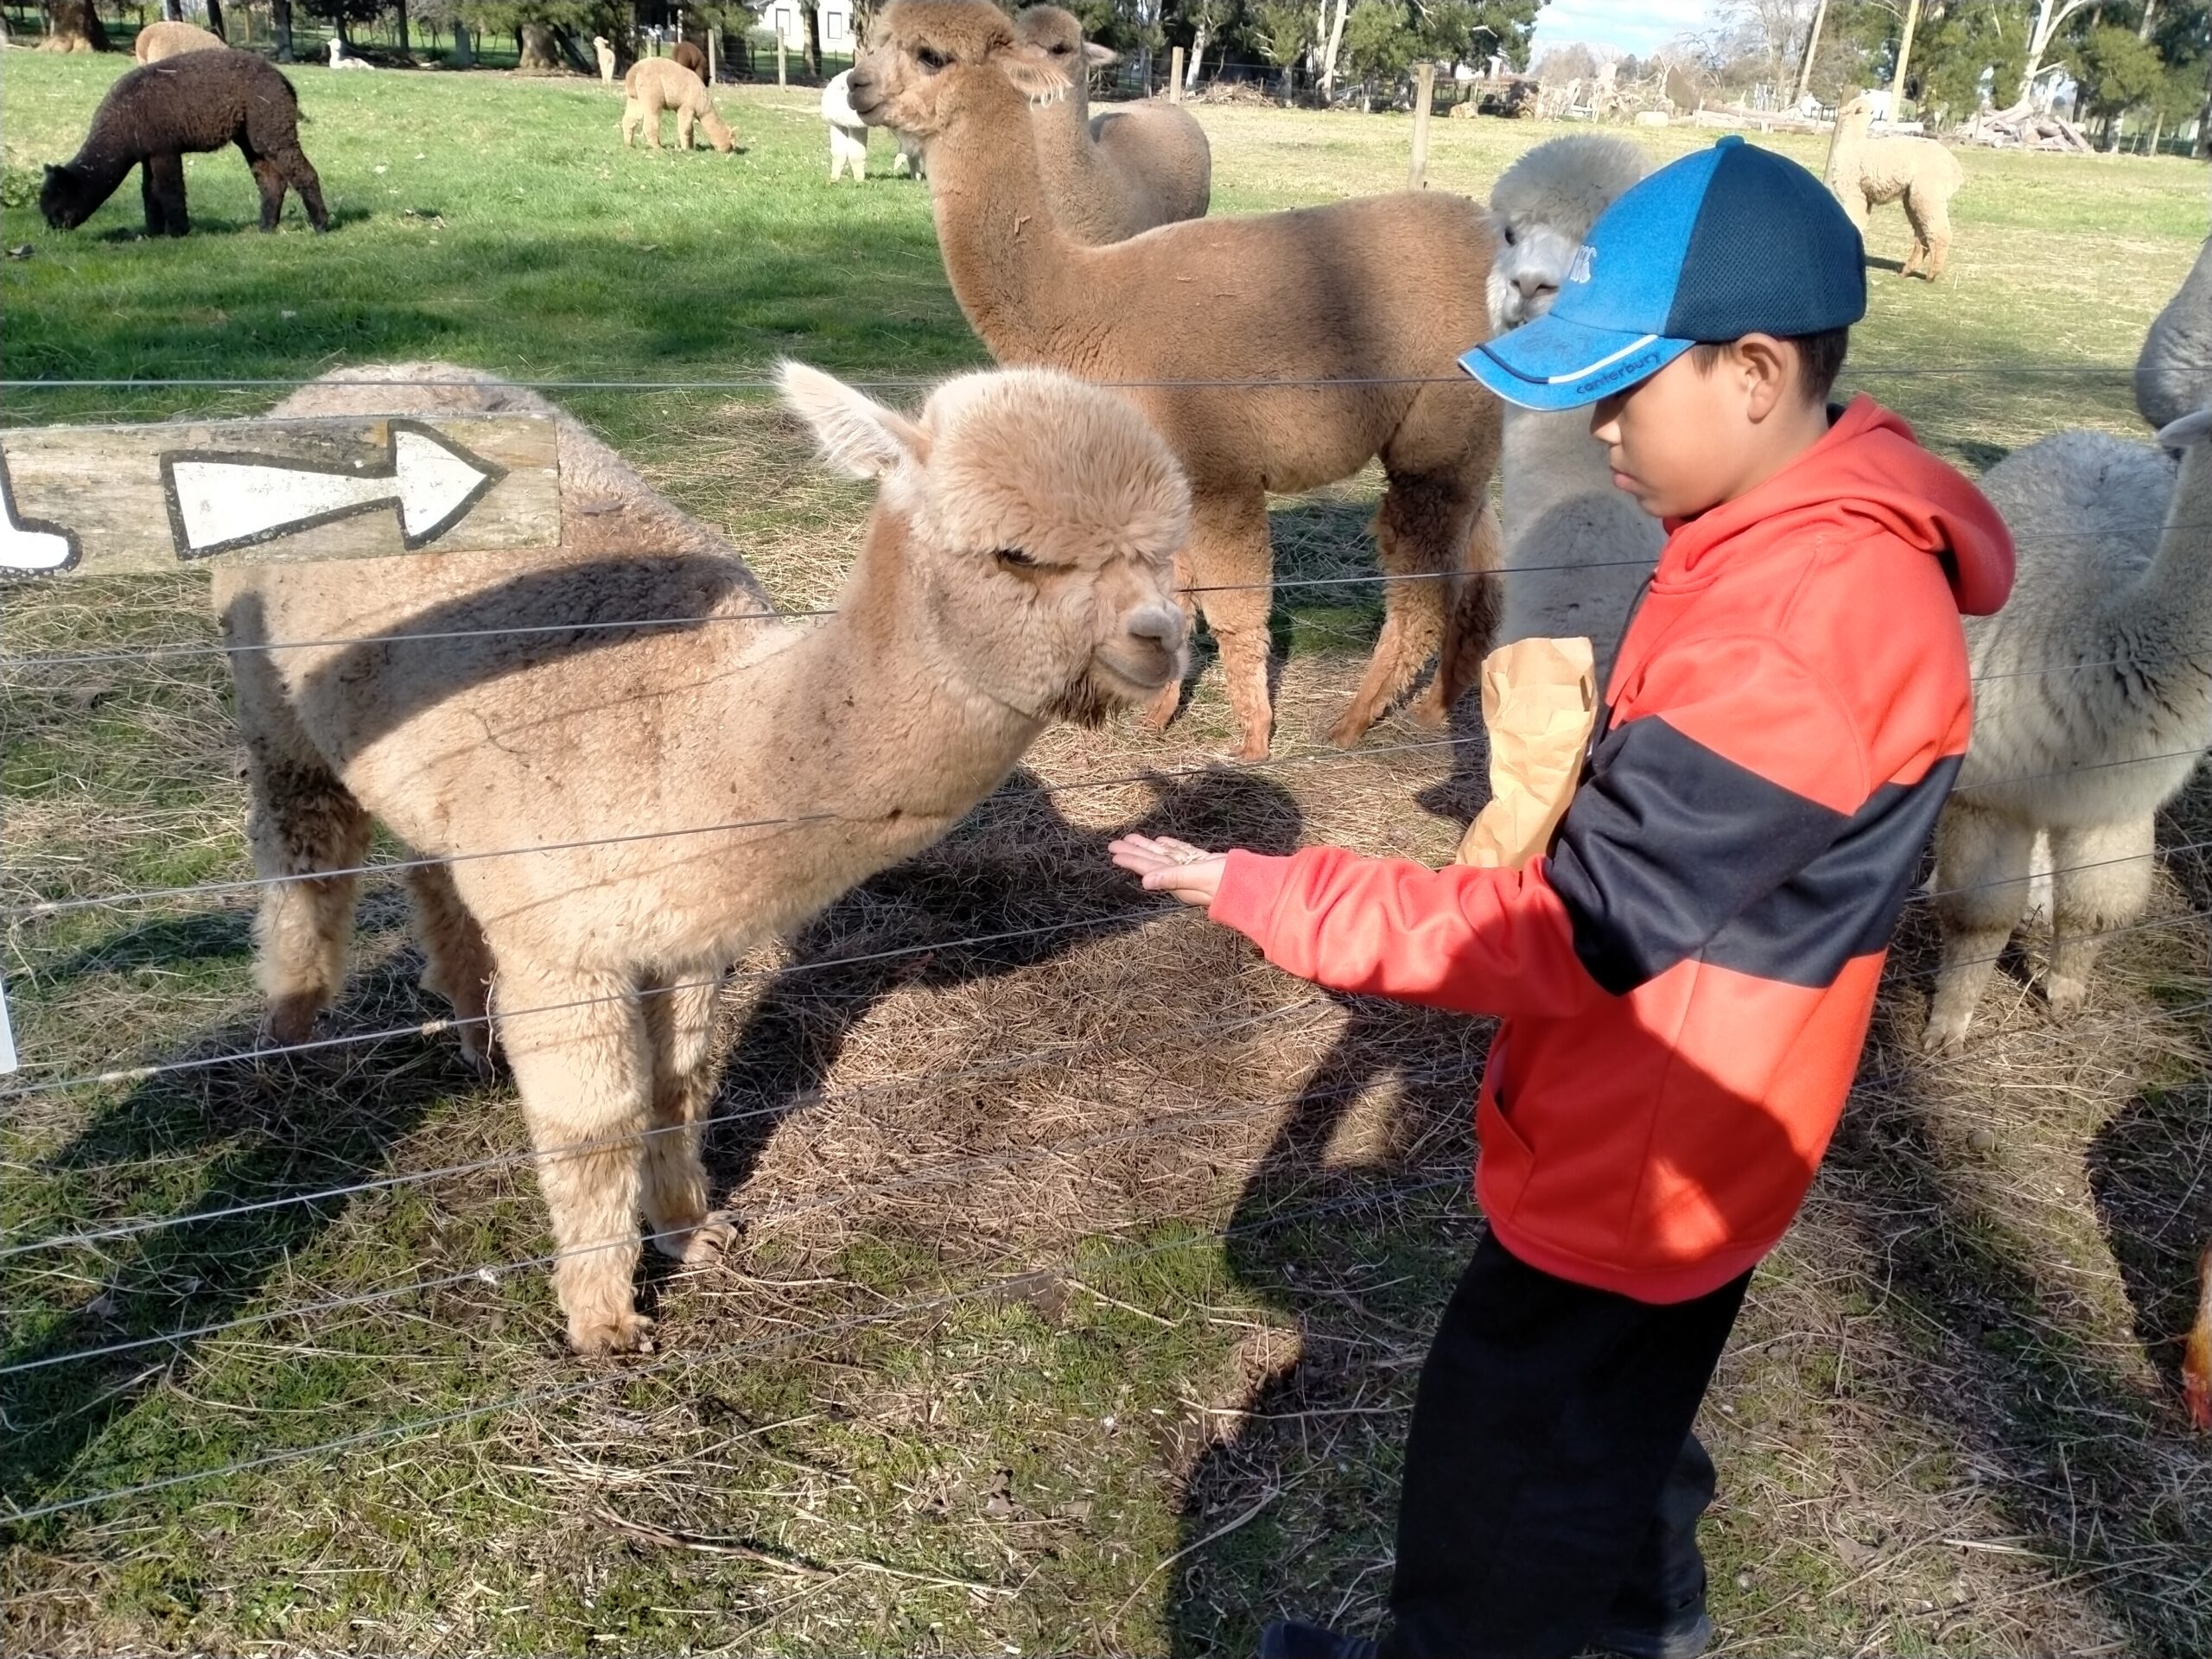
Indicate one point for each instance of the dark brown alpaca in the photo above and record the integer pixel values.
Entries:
(691, 57)
(154, 116)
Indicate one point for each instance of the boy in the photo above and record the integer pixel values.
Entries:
(1686, 979)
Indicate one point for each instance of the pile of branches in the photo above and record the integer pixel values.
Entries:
(2023, 127)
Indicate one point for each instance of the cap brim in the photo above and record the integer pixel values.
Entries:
(1554, 363)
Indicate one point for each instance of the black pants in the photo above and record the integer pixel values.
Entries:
(1553, 1487)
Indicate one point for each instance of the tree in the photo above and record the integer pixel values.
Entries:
(1335, 47)
(1208, 19)
(1379, 42)
(1282, 30)
(2051, 15)
(73, 21)
(2117, 73)
(1575, 61)
(342, 15)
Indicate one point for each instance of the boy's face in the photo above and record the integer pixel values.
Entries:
(1691, 437)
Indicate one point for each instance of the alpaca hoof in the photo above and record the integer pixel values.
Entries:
(2066, 997)
(624, 1333)
(1945, 1033)
(701, 1244)
(1160, 711)
(291, 1019)
(1430, 712)
(1349, 730)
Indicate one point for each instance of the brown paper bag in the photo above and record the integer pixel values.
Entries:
(1539, 702)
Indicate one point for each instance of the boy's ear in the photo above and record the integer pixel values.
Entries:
(1099, 56)
(1032, 71)
(857, 434)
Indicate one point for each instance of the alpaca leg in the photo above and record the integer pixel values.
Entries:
(151, 199)
(578, 1046)
(1934, 228)
(300, 174)
(2101, 878)
(1471, 624)
(686, 125)
(681, 1022)
(457, 961)
(270, 182)
(165, 175)
(300, 819)
(633, 121)
(1915, 202)
(1230, 566)
(1982, 862)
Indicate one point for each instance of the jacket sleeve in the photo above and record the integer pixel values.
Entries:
(1748, 772)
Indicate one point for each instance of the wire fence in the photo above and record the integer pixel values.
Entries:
(57, 1263)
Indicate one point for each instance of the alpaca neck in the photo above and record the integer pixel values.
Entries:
(894, 732)
(2174, 591)
(1008, 262)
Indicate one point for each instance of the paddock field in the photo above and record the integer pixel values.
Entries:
(1087, 1270)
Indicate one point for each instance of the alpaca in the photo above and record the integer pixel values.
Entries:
(339, 60)
(1382, 293)
(200, 101)
(657, 84)
(1577, 550)
(603, 50)
(690, 57)
(2094, 699)
(1125, 170)
(166, 40)
(1867, 172)
(2173, 375)
(1016, 569)
(848, 136)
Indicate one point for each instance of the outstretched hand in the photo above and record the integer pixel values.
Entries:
(1167, 865)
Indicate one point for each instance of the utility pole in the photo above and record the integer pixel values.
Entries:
(1812, 46)
(1904, 58)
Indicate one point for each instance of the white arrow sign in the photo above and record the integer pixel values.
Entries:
(220, 502)
(30, 544)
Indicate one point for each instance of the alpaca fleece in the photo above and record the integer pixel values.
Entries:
(1579, 548)
(1363, 305)
(1119, 172)
(2173, 374)
(657, 84)
(696, 790)
(1867, 172)
(689, 56)
(166, 40)
(198, 102)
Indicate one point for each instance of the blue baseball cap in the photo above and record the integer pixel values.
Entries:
(1731, 241)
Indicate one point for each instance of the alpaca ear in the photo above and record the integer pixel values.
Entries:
(1032, 71)
(2191, 428)
(1100, 56)
(855, 432)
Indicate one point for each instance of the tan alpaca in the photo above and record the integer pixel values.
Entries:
(1126, 170)
(1865, 172)
(657, 84)
(168, 40)
(1382, 294)
(1016, 570)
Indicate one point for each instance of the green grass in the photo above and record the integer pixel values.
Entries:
(1132, 1398)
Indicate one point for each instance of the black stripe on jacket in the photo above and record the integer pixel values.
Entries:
(1671, 851)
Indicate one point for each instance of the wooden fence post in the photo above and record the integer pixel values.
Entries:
(1175, 76)
(712, 31)
(1424, 91)
(781, 79)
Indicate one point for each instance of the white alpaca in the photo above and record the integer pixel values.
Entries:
(2173, 376)
(696, 790)
(605, 50)
(1576, 548)
(848, 136)
(339, 60)
(2094, 695)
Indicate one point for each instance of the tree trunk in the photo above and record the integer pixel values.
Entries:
(280, 25)
(813, 16)
(464, 52)
(1197, 51)
(75, 26)
(1329, 53)
(2150, 10)
(172, 11)
(215, 19)
(399, 15)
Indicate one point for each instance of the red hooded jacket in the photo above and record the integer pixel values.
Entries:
(1687, 977)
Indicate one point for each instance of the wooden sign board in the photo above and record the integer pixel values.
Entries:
(111, 500)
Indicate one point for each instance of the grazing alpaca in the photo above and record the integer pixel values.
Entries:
(1576, 548)
(1381, 294)
(166, 40)
(2095, 691)
(1015, 570)
(1865, 172)
(1113, 174)
(848, 136)
(657, 84)
(198, 102)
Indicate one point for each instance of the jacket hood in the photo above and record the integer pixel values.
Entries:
(1868, 475)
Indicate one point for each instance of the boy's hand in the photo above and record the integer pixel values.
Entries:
(1191, 873)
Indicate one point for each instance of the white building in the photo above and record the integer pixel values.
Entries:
(786, 20)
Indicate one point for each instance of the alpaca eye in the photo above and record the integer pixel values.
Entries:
(930, 58)
(1508, 236)
(1062, 50)
(1014, 559)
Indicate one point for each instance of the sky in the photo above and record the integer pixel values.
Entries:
(1635, 25)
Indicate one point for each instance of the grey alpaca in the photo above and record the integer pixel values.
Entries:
(154, 116)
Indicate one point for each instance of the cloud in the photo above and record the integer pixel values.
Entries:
(1637, 26)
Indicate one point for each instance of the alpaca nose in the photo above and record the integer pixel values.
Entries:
(1536, 291)
(1160, 625)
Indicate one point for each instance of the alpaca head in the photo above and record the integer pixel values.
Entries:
(62, 198)
(929, 62)
(337, 55)
(1061, 33)
(1036, 519)
(1545, 204)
